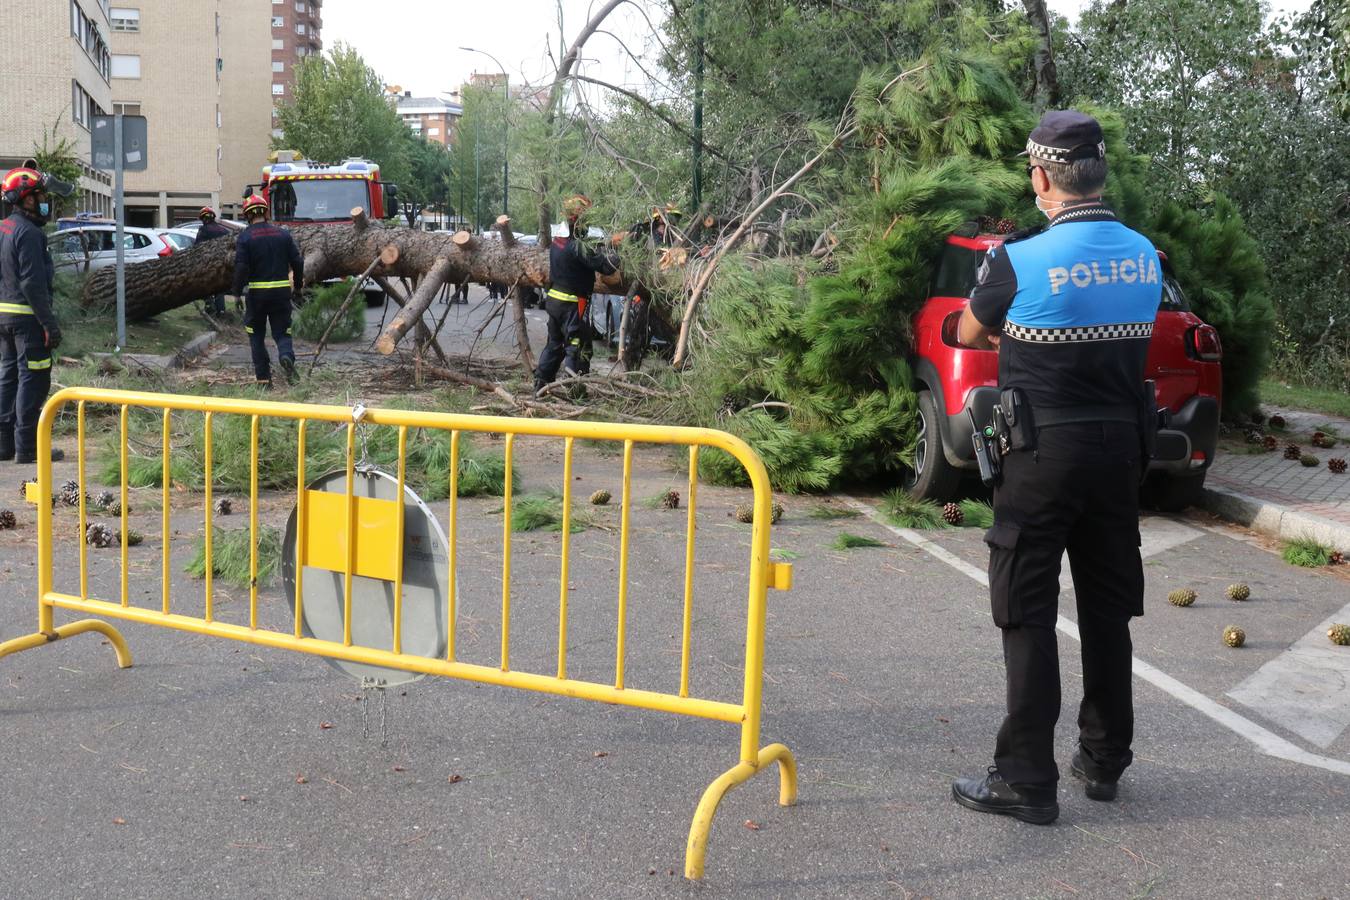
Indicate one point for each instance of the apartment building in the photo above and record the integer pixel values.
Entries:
(296, 25)
(54, 85)
(199, 72)
(433, 118)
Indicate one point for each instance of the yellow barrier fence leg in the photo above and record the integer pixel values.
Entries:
(712, 798)
(37, 639)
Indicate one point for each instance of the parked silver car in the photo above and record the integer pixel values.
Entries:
(90, 247)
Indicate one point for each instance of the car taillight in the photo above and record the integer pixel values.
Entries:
(949, 329)
(168, 248)
(1205, 343)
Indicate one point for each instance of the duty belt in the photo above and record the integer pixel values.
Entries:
(264, 285)
(564, 296)
(1048, 416)
(15, 309)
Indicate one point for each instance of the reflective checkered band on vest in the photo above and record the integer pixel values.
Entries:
(1117, 332)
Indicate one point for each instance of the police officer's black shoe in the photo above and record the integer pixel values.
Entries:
(6, 447)
(27, 457)
(1095, 788)
(288, 366)
(992, 794)
(264, 385)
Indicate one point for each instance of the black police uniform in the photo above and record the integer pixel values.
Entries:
(209, 232)
(572, 271)
(27, 322)
(263, 256)
(1075, 304)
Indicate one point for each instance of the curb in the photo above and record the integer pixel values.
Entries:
(1275, 520)
(193, 350)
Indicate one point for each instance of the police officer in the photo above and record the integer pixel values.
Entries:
(210, 230)
(28, 328)
(1070, 309)
(263, 257)
(572, 270)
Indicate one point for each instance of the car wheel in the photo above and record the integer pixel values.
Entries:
(1173, 493)
(932, 478)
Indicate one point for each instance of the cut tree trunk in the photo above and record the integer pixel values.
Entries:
(333, 251)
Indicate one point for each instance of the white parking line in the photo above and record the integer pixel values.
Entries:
(1266, 741)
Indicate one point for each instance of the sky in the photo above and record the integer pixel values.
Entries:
(415, 43)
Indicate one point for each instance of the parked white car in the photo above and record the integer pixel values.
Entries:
(90, 247)
(192, 227)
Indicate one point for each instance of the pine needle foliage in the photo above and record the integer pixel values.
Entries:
(976, 514)
(544, 512)
(847, 541)
(230, 556)
(1306, 553)
(324, 301)
(904, 510)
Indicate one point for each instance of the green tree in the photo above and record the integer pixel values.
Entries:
(56, 155)
(341, 110)
(429, 179)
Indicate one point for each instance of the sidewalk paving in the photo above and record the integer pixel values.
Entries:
(1280, 497)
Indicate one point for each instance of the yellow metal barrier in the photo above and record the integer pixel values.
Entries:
(367, 523)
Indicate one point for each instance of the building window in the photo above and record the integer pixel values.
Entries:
(90, 38)
(278, 90)
(278, 44)
(125, 19)
(300, 28)
(433, 132)
(126, 66)
(127, 108)
(278, 22)
(278, 66)
(79, 104)
(300, 5)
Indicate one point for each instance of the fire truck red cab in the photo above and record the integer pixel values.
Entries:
(302, 192)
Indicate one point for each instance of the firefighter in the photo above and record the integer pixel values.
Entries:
(572, 270)
(263, 256)
(28, 328)
(1071, 355)
(210, 230)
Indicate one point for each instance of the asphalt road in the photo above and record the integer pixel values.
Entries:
(218, 769)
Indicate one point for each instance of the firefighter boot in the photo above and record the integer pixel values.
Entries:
(6, 445)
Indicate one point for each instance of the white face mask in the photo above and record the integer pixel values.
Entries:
(1047, 207)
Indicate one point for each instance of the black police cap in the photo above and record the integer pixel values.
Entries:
(1064, 135)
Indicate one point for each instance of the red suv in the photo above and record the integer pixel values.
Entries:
(1183, 361)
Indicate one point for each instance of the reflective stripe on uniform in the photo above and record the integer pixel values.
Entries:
(16, 309)
(248, 329)
(264, 285)
(37, 364)
(562, 295)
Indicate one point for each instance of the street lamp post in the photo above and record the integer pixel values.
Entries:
(506, 128)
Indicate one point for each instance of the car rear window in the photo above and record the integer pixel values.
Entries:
(1173, 298)
(956, 272)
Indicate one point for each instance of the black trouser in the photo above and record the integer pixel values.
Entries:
(25, 379)
(269, 306)
(569, 338)
(1079, 491)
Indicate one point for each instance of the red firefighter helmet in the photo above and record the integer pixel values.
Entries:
(206, 213)
(26, 179)
(575, 207)
(255, 203)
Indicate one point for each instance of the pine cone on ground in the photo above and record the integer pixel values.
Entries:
(7, 520)
(1234, 636)
(115, 508)
(952, 514)
(1339, 634)
(1276, 421)
(99, 535)
(600, 498)
(1292, 451)
(1336, 558)
(670, 500)
(745, 513)
(223, 506)
(70, 493)
(23, 488)
(1238, 592)
(776, 511)
(103, 499)
(1269, 442)
(1336, 465)
(1323, 440)
(1181, 597)
(1309, 461)
(133, 537)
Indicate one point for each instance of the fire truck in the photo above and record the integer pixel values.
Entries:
(301, 191)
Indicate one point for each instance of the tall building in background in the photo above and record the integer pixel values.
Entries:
(56, 76)
(296, 25)
(432, 118)
(201, 78)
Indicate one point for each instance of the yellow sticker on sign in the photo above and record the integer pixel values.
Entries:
(377, 547)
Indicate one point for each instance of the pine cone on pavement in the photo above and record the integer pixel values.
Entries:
(224, 507)
(99, 535)
(1181, 597)
(7, 520)
(1339, 634)
(1292, 451)
(1269, 442)
(745, 513)
(1234, 636)
(952, 514)
(1336, 465)
(1238, 592)
(1336, 558)
(600, 498)
(103, 499)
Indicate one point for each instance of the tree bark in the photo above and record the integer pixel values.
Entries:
(332, 251)
(1047, 76)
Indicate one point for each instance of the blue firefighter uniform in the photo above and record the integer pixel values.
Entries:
(264, 256)
(28, 331)
(572, 270)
